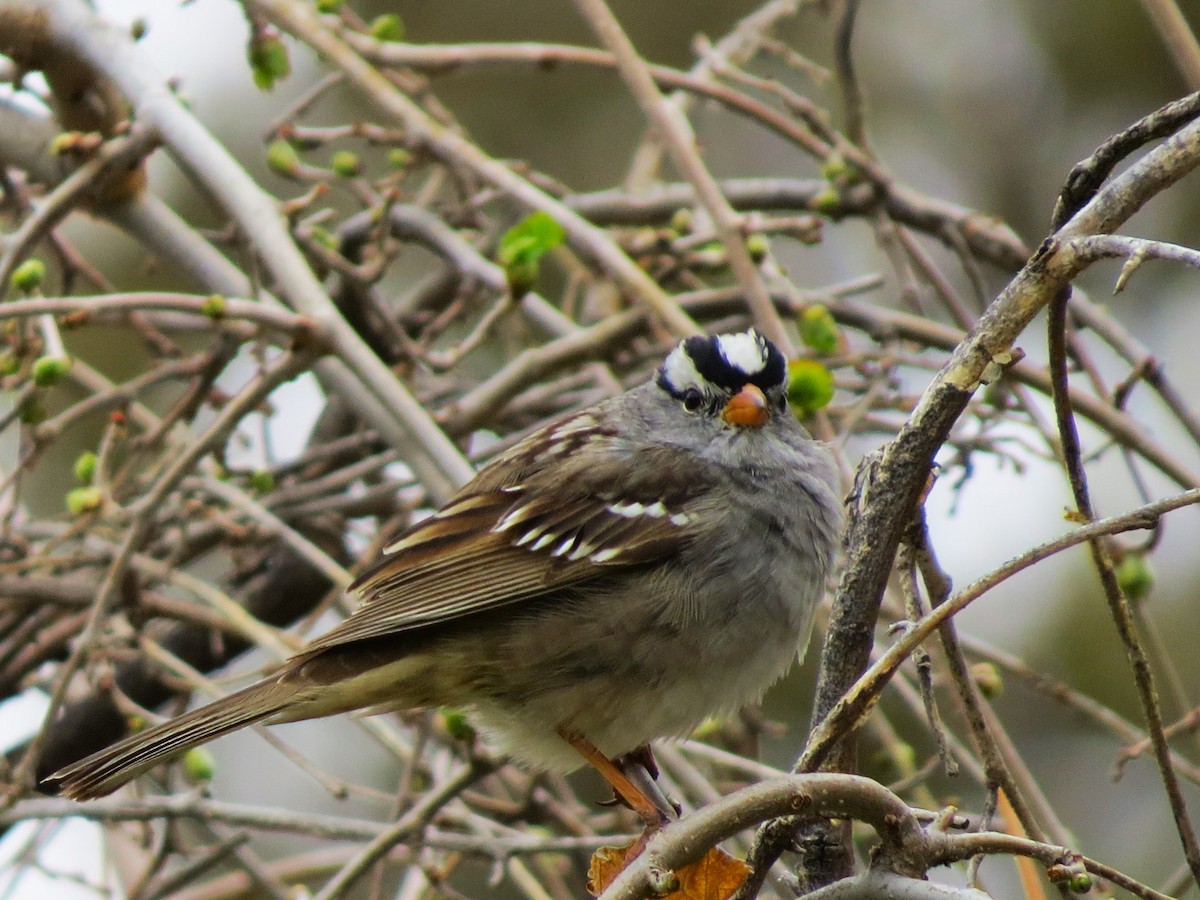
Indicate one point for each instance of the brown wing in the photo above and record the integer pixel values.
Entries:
(497, 544)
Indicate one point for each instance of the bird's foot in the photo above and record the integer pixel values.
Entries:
(630, 778)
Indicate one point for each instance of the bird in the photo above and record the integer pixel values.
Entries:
(615, 577)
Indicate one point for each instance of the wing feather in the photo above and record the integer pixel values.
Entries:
(498, 543)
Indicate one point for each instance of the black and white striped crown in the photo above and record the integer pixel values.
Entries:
(725, 362)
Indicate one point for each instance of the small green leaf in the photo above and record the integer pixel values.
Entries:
(819, 330)
(810, 386)
(84, 499)
(49, 370)
(523, 246)
(388, 27)
(29, 275)
(530, 238)
(282, 159)
(269, 62)
(85, 467)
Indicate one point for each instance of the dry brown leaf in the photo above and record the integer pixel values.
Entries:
(608, 863)
(716, 876)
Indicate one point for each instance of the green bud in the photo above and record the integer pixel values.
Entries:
(81, 500)
(988, 679)
(49, 370)
(326, 238)
(834, 168)
(282, 159)
(199, 765)
(810, 386)
(345, 163)
(262, 481)
(819, 330)
(63, 143)
(10, 363)
(757, 246)
(895, 760)
(827, 202)
(904, 756)
(681, 220)
(457, 725)
(269, 62)
(837, 170)
(388, 27)
(1079, 883)
(521, 276)
(85, 467)
(29, 275)
(398, 157)
(32, 411)
(138, 29)
(326, 7)
(1135, 576)
(214, 306)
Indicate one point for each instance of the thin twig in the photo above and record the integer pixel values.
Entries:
(1118, 604)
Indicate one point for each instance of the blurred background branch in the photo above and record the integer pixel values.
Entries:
(257, 319)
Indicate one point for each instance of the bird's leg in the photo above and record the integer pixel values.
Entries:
(633, 796)
(640, 767)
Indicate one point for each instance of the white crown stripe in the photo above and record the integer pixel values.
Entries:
(746, 351)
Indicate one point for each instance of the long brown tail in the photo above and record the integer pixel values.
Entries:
(105, 771)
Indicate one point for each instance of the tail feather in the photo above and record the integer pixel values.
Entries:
(105, 771)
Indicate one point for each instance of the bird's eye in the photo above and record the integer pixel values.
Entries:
(693, 400)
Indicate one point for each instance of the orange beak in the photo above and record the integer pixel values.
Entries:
(747, 408)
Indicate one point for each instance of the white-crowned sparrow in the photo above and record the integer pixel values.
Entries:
(613, 578)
